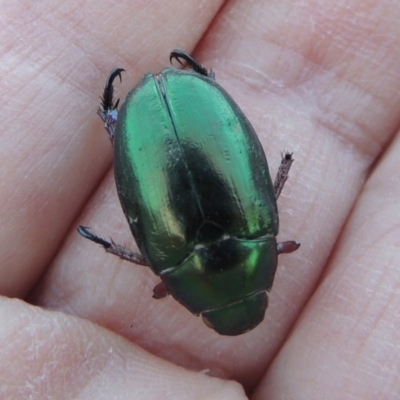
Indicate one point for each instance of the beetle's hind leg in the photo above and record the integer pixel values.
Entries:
(194, 64)
(113, 248)
(108, 110)
(283, 173)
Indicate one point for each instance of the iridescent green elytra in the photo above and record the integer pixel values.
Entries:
(193, 182)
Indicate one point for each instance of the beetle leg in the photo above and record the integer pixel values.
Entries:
(195, 65)
(160, 291)
(283, 173)
(108, 110)
(287, 247)
(113, 248)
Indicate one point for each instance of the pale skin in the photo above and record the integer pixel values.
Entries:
(319, 79)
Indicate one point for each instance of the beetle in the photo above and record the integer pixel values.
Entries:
(194, 185)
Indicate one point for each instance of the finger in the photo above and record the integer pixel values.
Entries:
(348, 332)
(48, 354)
(54, 60)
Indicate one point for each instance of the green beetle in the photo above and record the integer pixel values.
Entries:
(194, 185)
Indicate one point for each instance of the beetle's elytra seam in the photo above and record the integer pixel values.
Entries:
(160, 83)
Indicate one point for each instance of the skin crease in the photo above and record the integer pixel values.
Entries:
(317, 78)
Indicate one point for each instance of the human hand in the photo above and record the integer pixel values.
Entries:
(320, 80)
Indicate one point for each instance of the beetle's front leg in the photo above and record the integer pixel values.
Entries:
(113, 248)
(160, 291)
(283, 173)
(287, 247)
(108, 110)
